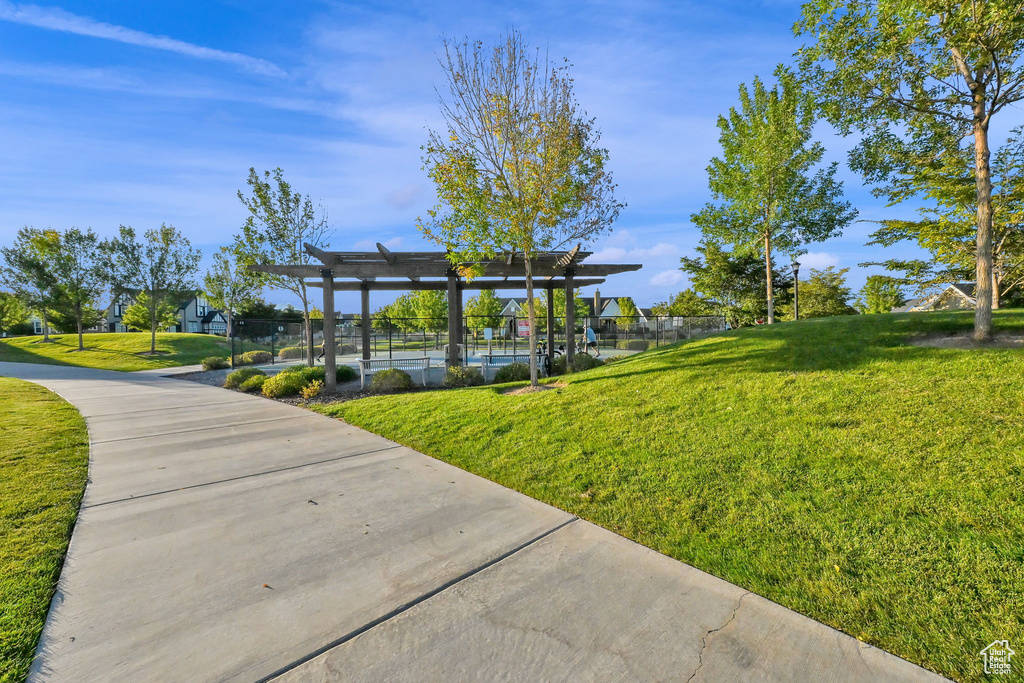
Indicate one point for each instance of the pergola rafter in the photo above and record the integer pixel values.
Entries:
(385, 270)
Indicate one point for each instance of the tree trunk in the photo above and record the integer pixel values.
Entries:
(995, 289)
(983, 280)
(229, 318)
(46, 326)
(768, 278)
(531, 315)
(78, 321)
(152, 332)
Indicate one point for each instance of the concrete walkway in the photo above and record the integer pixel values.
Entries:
(228, 537)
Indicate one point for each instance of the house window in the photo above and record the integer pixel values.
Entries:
(193, 326)
(200, 310)
(119, 310)
(37, 327)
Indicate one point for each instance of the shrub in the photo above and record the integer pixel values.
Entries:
(289, 352)
(515, 372)
(215, 363)
(346, 373)
(460, 376)
(285, 384)
(235, 379)
(632, 344)
(254, 383)
(253, 358)
(312, 389)
(580, 362)
(392, 379)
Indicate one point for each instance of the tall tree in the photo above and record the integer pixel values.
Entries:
(142, 315)
(79, 267)
(518, 169)
(628, 313)
(880, 294)
(28, 271)
(229, 285)
(484, 310)
(12, 312)
(403, 314)
(823, 294)
(431, 307)
(944, 179)
(685, 303)
(279, 225)
(924, 70)
(162, 265)
(763, 178)
(734, 281)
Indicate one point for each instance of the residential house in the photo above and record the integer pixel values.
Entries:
(194, 315)
(954, 297)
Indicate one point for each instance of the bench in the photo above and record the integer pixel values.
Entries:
(500, 360)
(368, 367)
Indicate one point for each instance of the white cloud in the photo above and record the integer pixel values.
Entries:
(55, 19)
(621, 238)
(405, 196)
(608, 255)
(659, 249)
(666, 278)
(818, 259)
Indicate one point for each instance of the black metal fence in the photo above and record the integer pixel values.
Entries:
(286, 340)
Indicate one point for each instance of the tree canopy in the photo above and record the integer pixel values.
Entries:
(518, 169)
(228, 285)
(880, 294)
(769, 194)
(925, 72)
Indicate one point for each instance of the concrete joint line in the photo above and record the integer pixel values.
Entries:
(167, 410)
(412, 603)
(704, 639)
(244, 476)
(206, 429)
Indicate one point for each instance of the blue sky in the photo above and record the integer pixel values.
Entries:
(139, 113)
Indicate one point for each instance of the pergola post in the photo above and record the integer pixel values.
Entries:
(570, 319)
(364, 292)
(551, 324)
(330, 360)
(454, 318)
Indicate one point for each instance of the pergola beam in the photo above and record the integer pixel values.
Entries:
(403, 270)
(402, 286)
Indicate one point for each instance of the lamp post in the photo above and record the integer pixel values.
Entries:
(796, 289)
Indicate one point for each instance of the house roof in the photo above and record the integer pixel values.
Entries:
(212, 315)
(962, 289)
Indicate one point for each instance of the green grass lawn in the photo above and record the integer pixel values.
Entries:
(115, 351)
(44, 451)
(870, 484)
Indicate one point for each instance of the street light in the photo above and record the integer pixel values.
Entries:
(796, 289)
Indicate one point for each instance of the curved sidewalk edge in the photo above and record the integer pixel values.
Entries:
(228, 537)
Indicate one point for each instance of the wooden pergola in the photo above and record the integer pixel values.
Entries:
(384, 270)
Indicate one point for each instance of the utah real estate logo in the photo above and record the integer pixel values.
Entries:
(997, 657)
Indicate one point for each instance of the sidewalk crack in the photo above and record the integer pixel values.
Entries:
(704, 639)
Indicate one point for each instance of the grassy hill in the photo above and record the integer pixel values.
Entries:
(829, 465)
(114, 351)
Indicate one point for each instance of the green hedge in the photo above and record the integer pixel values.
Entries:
(460, 376)
(515, 372)
(580, 362)
(253, 384)
(290, 352)
(392, 379)
(235, 379)
(254, 358)
(215, 363)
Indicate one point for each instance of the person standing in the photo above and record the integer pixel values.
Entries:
(591, 339)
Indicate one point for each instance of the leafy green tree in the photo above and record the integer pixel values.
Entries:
(948, 224)
(431, 306)
(628, 313)
(28, 271)
(685, 303)
(229, 285)
(880, 294)
(143, 315)
(161, 266)
(823, 294)
(926, 72)
(402, 312)
(78, 265)
(518, 169)
(484, 310)
(13, 313)
(581, 311)
(735, 281)
(768, 197)
(258, 309)
(280, 223)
